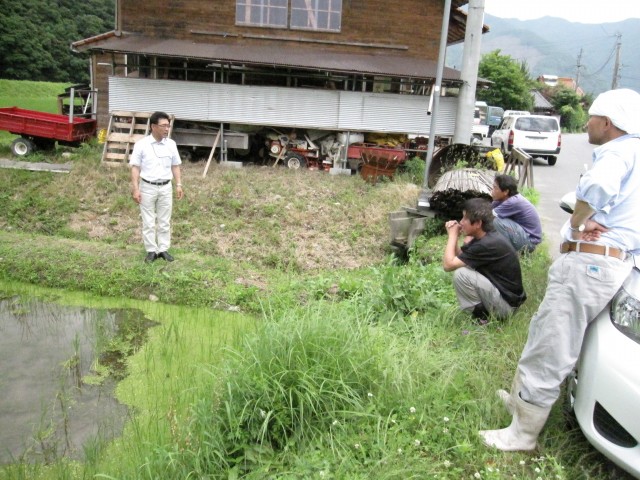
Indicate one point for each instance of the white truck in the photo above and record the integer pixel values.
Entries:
(485, 120)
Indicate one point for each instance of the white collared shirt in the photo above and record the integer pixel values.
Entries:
(154, 158)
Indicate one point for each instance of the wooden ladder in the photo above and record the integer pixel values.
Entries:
(125, 129)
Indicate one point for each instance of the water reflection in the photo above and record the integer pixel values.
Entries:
(57, 370)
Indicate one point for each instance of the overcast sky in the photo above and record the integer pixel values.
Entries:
(582, 11)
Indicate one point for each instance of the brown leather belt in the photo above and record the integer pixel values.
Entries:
(582, 247)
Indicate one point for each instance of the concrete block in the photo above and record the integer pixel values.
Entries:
(231, 164)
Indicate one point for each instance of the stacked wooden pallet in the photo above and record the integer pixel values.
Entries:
(125, 129)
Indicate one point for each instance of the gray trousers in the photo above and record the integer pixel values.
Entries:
(473, 288)
(155, 209)
(580, 285)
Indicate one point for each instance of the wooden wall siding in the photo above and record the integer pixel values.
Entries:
(415, 24)
(102, 71)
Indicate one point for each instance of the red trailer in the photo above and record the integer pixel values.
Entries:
(40, 130)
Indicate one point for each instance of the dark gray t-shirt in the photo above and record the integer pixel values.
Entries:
(495, 258)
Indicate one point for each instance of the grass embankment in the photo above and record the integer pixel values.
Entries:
(40, 96)
(357, 366)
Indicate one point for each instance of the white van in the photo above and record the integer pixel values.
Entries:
(513, 113)
(537, 135)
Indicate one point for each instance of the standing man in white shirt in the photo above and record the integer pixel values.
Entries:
(598, 239)
(154, 163)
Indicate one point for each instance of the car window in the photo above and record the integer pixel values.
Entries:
(531, 124)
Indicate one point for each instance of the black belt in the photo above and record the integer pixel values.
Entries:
(163, 182)
(592, 248)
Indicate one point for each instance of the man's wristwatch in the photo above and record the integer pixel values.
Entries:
(579, 228)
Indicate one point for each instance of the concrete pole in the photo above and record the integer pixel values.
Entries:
(469, 72)
(423, 196)
(616, 66)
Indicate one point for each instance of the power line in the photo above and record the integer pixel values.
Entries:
(613, 49)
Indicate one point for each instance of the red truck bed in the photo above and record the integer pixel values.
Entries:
(32, 123)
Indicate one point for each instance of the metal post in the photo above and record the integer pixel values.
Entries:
(423, 197)
(72, 92)
(223, 144)
(469, 72)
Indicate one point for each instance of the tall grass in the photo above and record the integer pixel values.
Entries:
(354, 365)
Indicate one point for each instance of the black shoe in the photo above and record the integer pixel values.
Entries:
(480, 314)
(166, 256)
(151, 256)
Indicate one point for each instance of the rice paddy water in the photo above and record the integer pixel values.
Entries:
(58, 366)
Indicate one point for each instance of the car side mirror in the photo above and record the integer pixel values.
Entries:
(568, 202)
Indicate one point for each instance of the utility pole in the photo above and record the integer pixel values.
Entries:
(469, 72)
(578, 70)
(423, 196)
(616, 67)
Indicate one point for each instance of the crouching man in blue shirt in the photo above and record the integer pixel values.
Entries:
(516, 217)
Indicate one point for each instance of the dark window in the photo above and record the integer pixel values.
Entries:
(530, 124)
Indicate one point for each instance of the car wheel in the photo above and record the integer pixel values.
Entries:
(552, 161)
(186, 155)
(22, 146)
(569, 414)
(294, 161)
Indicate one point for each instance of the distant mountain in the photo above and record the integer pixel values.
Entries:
(552, 46)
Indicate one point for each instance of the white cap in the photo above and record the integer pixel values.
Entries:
(622, 106)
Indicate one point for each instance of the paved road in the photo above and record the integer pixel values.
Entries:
(553, 182)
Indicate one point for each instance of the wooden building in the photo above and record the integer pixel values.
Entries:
(336, 65)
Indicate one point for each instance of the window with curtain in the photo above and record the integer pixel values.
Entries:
(262, 13)
(318, 15)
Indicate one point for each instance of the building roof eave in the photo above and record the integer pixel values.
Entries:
(266, 56)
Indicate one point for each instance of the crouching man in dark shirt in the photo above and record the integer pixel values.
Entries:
(487, 276)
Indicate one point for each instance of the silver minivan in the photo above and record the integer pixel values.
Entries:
(537, 135)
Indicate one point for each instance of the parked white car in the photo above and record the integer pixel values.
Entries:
(605, 387)
(537, 135)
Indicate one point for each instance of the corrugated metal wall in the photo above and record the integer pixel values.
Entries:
(285, 107)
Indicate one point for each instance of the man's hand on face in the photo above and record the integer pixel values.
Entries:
(453, 227)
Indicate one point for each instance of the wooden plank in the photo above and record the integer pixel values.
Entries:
(124, 137)
(112, 164)
(123, 113)
(36, 167)
(215, 144)
(280, 155)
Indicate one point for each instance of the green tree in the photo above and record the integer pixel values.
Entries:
(35, 37)
(569, 105)
(511, 88)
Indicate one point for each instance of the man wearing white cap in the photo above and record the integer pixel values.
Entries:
(601, 233)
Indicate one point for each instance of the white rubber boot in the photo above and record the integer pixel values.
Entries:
(522, 434)
(508, 398)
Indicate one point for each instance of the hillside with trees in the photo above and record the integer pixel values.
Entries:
(555, 46)
(35, 37)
